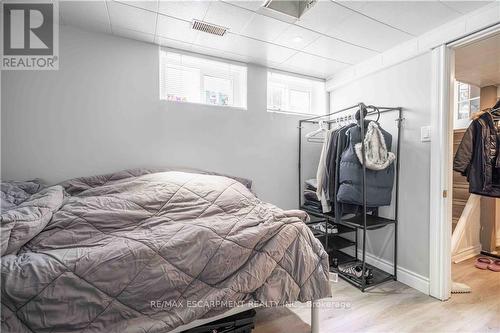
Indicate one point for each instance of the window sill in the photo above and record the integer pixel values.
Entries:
(226, 107)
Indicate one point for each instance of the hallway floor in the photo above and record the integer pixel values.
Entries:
(395, 307)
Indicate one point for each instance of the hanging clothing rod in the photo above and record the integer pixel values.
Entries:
(372, 110)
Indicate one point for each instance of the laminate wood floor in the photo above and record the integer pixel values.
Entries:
(395, 307)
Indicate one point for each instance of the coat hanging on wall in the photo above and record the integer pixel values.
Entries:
(478, 156)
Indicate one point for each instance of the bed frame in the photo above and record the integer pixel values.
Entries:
(231, 312)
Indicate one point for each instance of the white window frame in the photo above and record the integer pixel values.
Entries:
(204, 72)
(462, 123)
(295, 86)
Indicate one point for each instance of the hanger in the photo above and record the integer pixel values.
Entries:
(358, 114)
(378, 113)
(311, 136)
(365, 113)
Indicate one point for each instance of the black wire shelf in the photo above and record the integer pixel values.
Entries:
(336, 243)
(372, 221)
(379, 277)
(358, 224)
(341, 229)
(338, 258)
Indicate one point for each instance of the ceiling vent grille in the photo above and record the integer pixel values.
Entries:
(209, 28)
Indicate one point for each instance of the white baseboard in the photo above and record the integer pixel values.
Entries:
(466, 253)
(410, 278)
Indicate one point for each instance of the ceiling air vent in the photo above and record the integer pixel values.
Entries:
(286, 10)
(209, 28)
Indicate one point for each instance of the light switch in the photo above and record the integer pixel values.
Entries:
(425, 133)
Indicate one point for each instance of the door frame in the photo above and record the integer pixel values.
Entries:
(441, 174)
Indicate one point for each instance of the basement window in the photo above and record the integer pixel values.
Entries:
(293, 94)
(192, 79)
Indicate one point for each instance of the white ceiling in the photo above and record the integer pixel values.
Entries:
(478, 63)
(328, 38)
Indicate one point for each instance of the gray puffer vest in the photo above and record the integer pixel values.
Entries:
(378, 183)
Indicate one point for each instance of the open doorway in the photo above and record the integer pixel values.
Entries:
(475, 213)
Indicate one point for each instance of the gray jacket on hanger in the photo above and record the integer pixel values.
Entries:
(379, 184)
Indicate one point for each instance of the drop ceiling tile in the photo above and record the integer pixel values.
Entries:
(465, 7)
(91, 26)
(343, 23)
(313, 64)
(363, 31)
(264, 28)
(414, 17)
(207, 51)
(227, 15)
(269, 52)
(484, 16)
(173, 28)
(83, 13)
(296, 37)
(248, 47)
(337, 50)
(133, 18)
(217, 53)
(322, 15)
(228, 42)
(132, 34)
(151, 5)
(250, 5)
(186, 10)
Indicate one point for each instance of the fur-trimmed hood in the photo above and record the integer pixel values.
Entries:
(377, 157)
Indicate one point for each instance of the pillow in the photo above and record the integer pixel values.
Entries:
(14, 193)
(77, 185)
(26, 217)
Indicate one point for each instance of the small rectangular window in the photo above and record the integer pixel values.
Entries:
(186, 78)
(467, 100)
(293, 94)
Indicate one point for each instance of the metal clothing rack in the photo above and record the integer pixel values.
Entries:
(364, 222)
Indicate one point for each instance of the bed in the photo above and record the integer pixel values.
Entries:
(148, 251)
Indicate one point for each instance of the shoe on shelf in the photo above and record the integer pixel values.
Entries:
(355, 270)
(321, 227)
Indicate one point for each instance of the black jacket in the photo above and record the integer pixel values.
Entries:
(478, 157)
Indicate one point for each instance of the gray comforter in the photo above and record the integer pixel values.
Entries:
(147, 252)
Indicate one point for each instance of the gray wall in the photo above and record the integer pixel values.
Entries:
(406, 85)
(101, 112)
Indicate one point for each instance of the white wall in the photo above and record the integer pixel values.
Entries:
(406, 85)
(100, 112)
